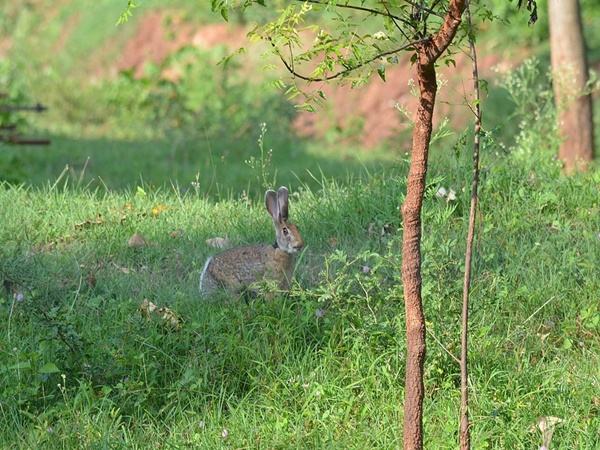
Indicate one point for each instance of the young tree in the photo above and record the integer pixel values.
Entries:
(570, 77)
(425, 29)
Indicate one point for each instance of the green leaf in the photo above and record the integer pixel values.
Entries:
(225, 13)
(49, 368)
(126, 14)
(450, 61)
(381, 72)
(20, 365)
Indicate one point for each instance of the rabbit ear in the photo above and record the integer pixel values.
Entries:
(282, 202)
(271, 204)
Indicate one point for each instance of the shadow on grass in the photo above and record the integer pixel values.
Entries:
(217, 169)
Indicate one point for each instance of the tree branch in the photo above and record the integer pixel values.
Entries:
(289, 67)
(444, 37)
(396, 23)
(361, 8)
(424, 8)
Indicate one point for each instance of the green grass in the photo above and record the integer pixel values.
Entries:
(219, 168)
(82, 368)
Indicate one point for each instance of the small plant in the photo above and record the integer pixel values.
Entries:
(532, 97)
(261, 166)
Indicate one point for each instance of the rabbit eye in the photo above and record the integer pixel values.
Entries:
(286, 231)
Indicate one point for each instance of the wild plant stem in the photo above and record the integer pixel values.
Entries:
(464, 438)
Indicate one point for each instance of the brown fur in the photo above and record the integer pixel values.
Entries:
(237, 268)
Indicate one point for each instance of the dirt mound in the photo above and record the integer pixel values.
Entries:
(160, 34)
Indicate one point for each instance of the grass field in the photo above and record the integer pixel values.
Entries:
(85, 363)
(83, 367)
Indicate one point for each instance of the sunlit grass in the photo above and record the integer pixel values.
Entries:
(322, 367)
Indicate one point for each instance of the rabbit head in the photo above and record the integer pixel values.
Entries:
(287, 234)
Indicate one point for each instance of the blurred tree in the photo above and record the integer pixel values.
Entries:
(570, 79)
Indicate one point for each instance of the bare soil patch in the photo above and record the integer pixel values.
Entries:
(370, 111)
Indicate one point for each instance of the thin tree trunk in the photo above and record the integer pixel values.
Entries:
(570, 75)
(411, 258)
(465, 435)
(427, 55)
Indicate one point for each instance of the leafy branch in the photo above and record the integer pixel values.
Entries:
(126, 14)
(290, 68)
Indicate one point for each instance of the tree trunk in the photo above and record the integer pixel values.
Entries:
(570, 75)
(427, 55)
(411, 255)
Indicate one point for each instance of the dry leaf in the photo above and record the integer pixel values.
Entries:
(147, 308)
(89, 222)
(176, 234)
(333, 241)
(218, 242)
(169, 317)
(448, 195)
(158, 209)
(371, 228)
(136, 241)
(91, 280)
(125, 270)
(546, 425)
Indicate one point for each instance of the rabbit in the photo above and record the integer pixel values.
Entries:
(237, 268)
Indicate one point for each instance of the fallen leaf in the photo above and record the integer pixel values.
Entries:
(333, 241)
(158, 209)
(176, 234)
(371, 228)
(441, 193)
(136, 241)
(546, 425)
(91, 280)
(89, 222)
(147, 308)
(218, 242)
(169, 317)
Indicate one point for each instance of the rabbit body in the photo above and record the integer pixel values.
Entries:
(227, 269)
(237, 268)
